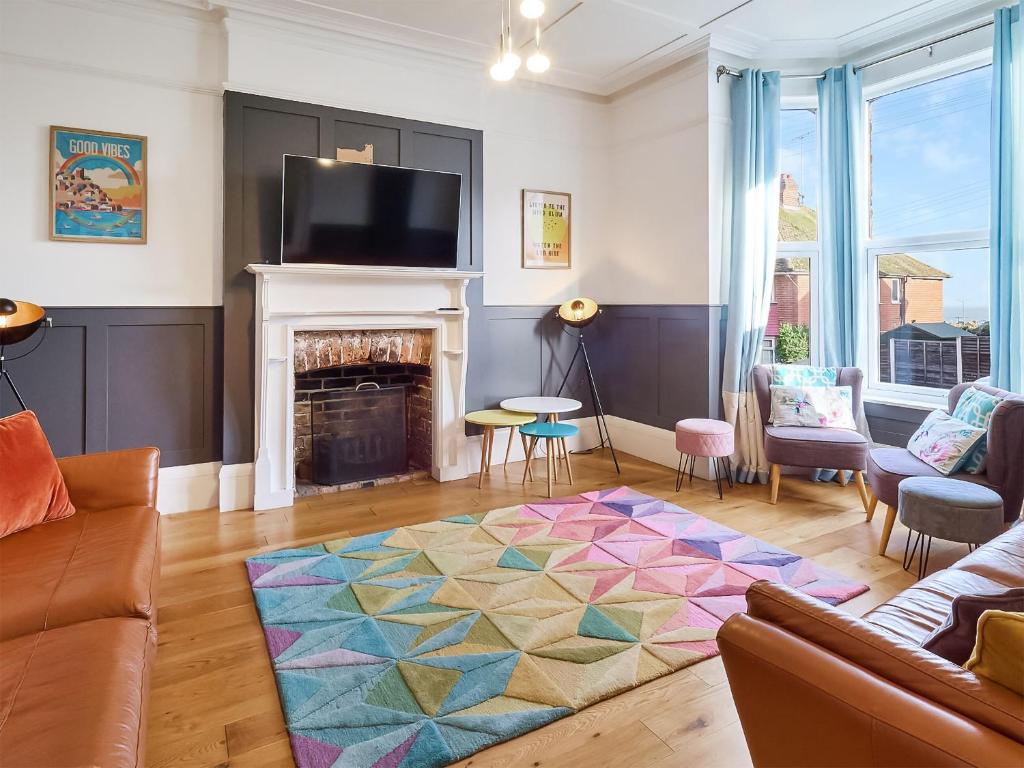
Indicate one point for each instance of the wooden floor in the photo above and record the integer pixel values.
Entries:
(213, 700)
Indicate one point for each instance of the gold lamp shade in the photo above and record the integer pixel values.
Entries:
(18, 320)
(578, 312)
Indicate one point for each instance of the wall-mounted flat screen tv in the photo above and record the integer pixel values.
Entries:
(336, 212)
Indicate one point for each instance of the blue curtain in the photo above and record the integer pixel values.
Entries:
(844, 303)
(1007, 238)
(754, 232)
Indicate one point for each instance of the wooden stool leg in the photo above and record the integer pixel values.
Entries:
(568, 466)
(551, 463)
(508, 449)
(529, 459)
(490, 447)
(872, 503)
(858, 480)
(526, 454)
(890, 519)
(483, 457)
(775, 476)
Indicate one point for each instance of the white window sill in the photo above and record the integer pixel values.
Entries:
(906, 401)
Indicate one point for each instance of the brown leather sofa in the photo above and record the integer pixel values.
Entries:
(815, 686)
(78, 620)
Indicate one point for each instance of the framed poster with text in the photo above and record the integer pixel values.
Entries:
(546, 229)
(97, 186)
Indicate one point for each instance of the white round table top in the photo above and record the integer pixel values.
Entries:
(541, 404)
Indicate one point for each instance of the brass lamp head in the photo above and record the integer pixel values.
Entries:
(19, 320)
(578, 312)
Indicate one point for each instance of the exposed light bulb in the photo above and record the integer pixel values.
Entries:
(538, 63)
(532, 9)
(511, 61)
(502, 73)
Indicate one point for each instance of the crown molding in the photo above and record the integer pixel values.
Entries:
(311, 24)
(335, 39)
(77, 68)
(937, 16)
(183, 14)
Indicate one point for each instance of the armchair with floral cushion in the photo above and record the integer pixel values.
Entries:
(1002, 470)
(841, 448)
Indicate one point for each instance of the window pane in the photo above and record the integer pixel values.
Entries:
(789, 319)
(798, 183)
(933, 314)
(930, 157)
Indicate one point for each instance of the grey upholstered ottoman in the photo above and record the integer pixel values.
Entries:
(954, 510)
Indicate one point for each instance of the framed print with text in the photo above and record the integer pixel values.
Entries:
(546, 229)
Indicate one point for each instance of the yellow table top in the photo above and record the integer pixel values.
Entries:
(497, 417)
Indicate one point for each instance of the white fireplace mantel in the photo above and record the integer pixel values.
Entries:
(308, 297)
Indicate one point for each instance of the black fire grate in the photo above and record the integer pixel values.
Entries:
(358, 434)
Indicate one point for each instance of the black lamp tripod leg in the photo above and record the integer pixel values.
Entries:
(568, 370)
(565, 379)
(5, 375)
(598, 410)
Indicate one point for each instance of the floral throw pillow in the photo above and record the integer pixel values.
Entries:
(804, 376)
(811, 406)
(976, 408)
(943, 442)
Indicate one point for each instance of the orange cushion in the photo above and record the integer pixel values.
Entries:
(32, 490)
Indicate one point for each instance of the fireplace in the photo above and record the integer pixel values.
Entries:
(367, 419)
(318, 318)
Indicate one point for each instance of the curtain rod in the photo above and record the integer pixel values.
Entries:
(724, 70)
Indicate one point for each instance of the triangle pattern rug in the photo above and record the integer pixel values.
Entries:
(421, 645)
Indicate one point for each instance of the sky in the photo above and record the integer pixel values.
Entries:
(929, 174)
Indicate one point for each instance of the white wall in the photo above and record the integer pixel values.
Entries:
(129, 74)
(658, 213)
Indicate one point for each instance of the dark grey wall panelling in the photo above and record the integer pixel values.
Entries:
(110, 378)
(653, 364)
(257, 132)
(893, 424)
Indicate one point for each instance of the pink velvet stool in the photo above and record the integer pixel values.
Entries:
(708, 438)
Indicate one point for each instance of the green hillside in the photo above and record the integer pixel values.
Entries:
(798, 225)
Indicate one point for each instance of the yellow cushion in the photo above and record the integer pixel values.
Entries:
(999, 649)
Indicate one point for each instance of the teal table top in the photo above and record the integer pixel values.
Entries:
(549, 429)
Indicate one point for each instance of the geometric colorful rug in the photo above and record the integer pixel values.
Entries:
(421, 645)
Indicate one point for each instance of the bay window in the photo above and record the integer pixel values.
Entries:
(789, 335)
(927, 252)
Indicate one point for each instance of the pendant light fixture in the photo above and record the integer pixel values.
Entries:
(532, 9)
(538, 63)
(508, 62)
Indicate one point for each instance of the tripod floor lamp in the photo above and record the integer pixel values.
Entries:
(579, 313)
(18, 321)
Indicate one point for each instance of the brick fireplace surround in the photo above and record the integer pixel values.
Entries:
(345, 359)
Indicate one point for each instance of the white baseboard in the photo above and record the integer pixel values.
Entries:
(236, 487)
(654, 444)
(230, 486)
(187, 488)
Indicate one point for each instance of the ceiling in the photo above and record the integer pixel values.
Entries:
(601, 46)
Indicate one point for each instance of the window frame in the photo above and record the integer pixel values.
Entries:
(895, 291)
(875, 390)
(809, 249)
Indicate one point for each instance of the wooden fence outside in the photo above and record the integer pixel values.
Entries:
(940, 364)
